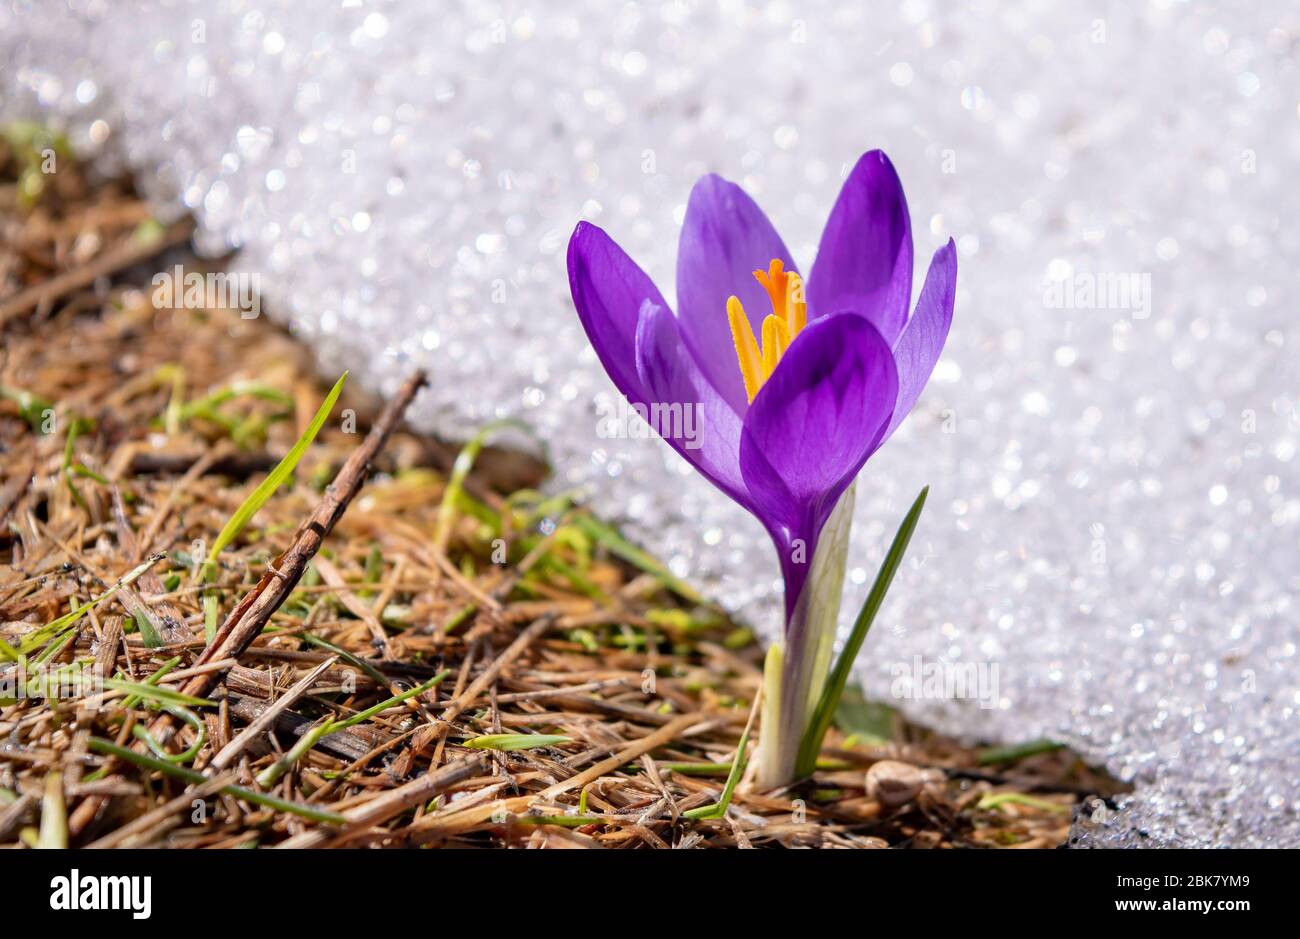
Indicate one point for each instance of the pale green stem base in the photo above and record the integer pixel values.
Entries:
(793, 679)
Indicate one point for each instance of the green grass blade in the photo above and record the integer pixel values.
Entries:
(160, 695)
(733, 778)
(316, 734)
(459, 618)
(150, 635)
(866, 722)
(269, 776)
(374, 565)
(211, 615)
(371, 672)
(362, 716)
(108, 748)
(1017, 752)
(620, 547)
(175, 376)
(31, 408)
(212, 402)
(993, 799)
(55, 647)
(811, 744)
(278, 475)
(460, 469)
(515, 741)
(133, 700)
(55, 627)
(141, 732)
(54, 813)
(697, 769)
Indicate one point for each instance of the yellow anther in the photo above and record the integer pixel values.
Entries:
(788, 317)
(776, 339)
(796, 307)
(742, 334)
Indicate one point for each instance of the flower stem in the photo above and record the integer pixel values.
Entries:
(806, 655)
(769, 752)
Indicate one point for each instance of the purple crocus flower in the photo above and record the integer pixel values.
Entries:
(791, 403)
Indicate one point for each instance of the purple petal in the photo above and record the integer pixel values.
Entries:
(810, 429)
(683, 407)
(864, 261)
(922, 339)
(608, 291)
(725, 238)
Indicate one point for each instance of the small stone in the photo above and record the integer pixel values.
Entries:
(892, 783)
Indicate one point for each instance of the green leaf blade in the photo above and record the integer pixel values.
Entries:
(55, 628)
(460, 470)
(738, 764)
(515, 741)
(826, 706)
(277, 476)
(193, 777)
(156, 694)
